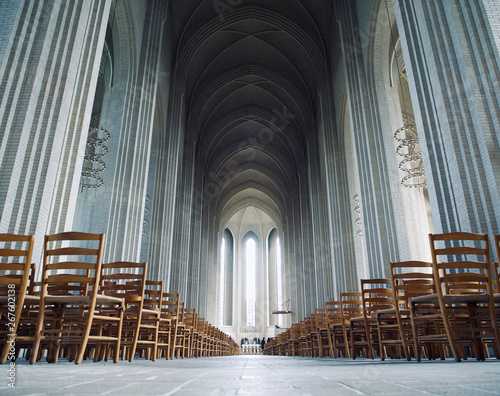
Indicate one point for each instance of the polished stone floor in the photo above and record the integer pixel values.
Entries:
(256, 375)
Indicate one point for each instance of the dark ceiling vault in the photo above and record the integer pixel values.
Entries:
(250, 83)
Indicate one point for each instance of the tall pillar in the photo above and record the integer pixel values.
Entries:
(381, 244)
(47, 84)
(343, 272)
(128, 196)
(453, 67)
(170, 149)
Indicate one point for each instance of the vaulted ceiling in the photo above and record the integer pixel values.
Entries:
(250, 79)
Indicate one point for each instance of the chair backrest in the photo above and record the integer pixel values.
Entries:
(72, 263)
(333, 310)
(182, 307)
(305, 326)
(15, 271)
(496, 265)
(461, 263)
(352, 305)
(190, 317)
(153, 294)
(15, 259)
(211, 330)
(377, 295)
(31, 281)
(295, 331)
(320, 319)
(170, 306)
(201, 325)
(411, 279)
(125, 279)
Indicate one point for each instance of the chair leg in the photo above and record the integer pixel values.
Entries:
(449, 334)
(85, 338)
(38, 333)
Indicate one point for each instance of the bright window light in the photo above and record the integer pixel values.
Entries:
(250, 258)
(278, 279)
(222, 280)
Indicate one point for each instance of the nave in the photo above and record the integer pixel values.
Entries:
(259, 160)
(259, 375)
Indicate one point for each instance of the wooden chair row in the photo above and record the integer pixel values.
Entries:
(449, 306)
(86, 309)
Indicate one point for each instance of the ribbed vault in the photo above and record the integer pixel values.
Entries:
(250, 89)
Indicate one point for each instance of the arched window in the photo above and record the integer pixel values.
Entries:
(222, 278)
(279, 288)
(276, 298)
(250, 246)
(226, 280)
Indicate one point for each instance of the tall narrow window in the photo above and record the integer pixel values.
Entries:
(278, 279)
(250, 263)
(222, 279)
(226, 279)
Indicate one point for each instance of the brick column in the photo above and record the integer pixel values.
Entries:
(47, 85)
(453, 69)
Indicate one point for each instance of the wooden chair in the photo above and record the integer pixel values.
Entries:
(15, 261)
(226, 345)
(150, 319)
(313, 336)
(201, 329)
(196, 326)
(27, 323)
(269, 349)
(462, 275)
(207, 338)
(282, 343)
(352, 308)
(376, 295)
(216, 341)
(336, 342)
(293, 340)
(409, 279)
(322, 332)
(496, 268)
(191, 321)
(234, 348)
(70, 305)
(305, 342)
(170, 311)
(180, 339)
(211, 340)
(496, 274)
(191, 335)
(126, 280)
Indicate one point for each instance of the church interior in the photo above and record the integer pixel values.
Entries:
(261, 158)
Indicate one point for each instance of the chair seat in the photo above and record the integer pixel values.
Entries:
(390, 311)
(466, 298)
(101, 299)
(28, 299)
(145, 312)
(50, 299)
(358, 319)
(150, 312)
(452, 298)
(426, 299)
